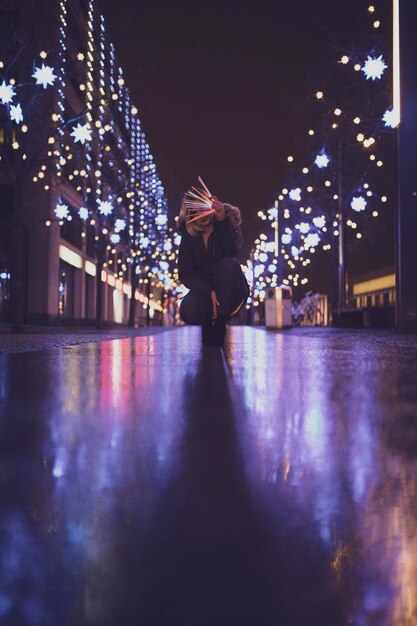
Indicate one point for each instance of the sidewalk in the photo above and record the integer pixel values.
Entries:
(46, 337)
(147, 480)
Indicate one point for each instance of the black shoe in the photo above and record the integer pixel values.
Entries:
(207, 333)
(214, 332)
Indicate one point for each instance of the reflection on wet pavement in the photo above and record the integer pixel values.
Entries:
(149, 481)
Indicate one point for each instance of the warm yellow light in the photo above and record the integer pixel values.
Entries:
(70, 257)
(319, 95)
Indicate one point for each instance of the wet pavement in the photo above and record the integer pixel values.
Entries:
(150, 481)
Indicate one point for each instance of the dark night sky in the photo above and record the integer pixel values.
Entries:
(219, 86)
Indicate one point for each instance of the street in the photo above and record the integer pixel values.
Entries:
(148, 480)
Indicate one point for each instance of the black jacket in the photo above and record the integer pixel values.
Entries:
(196, 263)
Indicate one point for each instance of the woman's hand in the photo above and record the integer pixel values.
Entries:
(218, 207)
(215, 304)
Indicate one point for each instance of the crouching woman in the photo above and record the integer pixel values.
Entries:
(209, 268)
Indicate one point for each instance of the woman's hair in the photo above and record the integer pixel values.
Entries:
(195, 228)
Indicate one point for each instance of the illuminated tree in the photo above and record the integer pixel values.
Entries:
(337, 180)
(76, 132)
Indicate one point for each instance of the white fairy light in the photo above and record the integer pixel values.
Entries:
(304, 227)
(83, 213)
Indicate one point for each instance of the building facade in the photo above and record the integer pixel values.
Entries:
(83, 213)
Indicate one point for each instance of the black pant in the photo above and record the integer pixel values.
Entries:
(230, 287)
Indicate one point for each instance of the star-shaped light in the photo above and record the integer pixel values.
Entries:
(83, 213)
(322, 160)
(390, 118)
(44, 75)
(319, 222)
(304, 227)
(7, 93)
(61, 211)
(358, 203)
(105, 207)
(295, 194)
(119, 225)
(286, 238)
(312, 240)
(114, 238)
(374, 67)
(81, 133)
(16, 113)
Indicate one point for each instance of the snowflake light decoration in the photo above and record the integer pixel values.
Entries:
(374, 67)
(390, 118)
(61, 211)
(322, 160)
(119, 225)
(105, 207)
(358, 203)
(161, 220)
(44, 75)
(295, 194)
(319, 222)
(7, 93)
(83, 213)
(286, 238)
(312, 240)
(16, 113)
(81, 133)
(304, 227)
(114, 238)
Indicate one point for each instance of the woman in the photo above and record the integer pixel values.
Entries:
(208, 267)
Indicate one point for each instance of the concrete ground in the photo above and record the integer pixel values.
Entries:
(146, 480)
